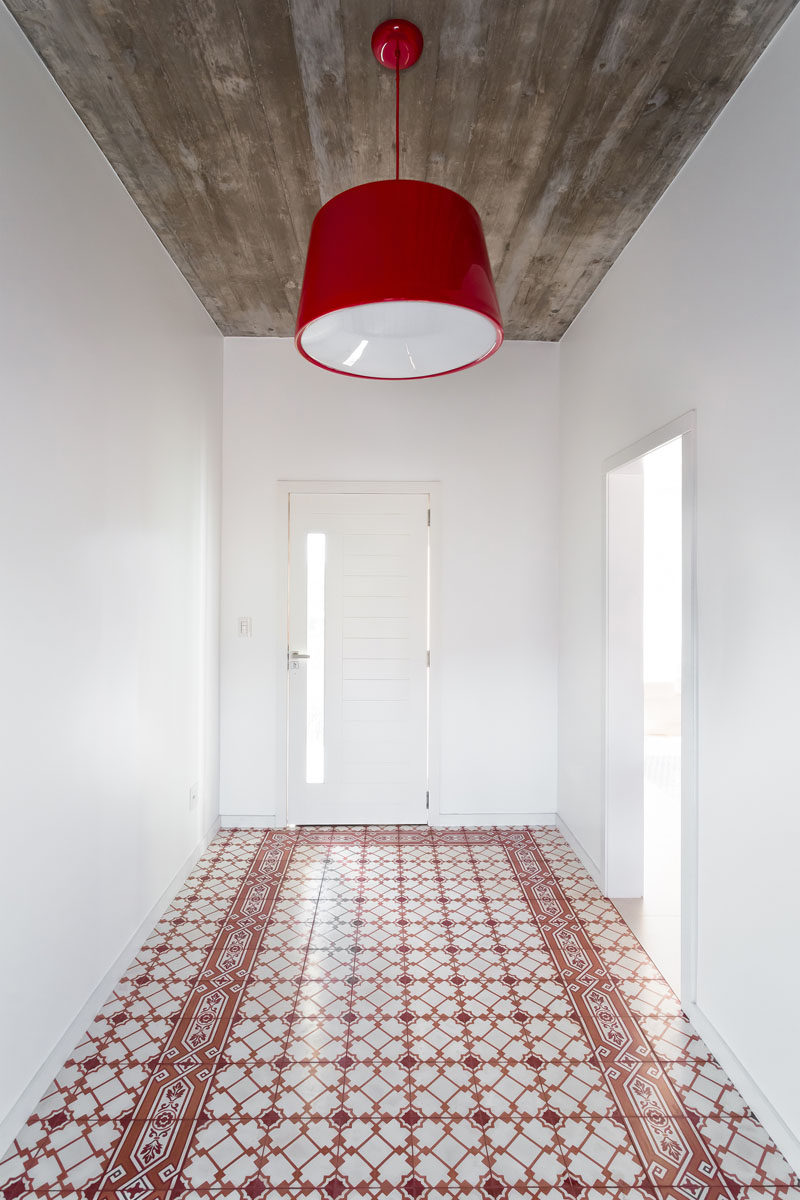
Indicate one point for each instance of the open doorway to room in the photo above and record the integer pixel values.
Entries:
(647, 602)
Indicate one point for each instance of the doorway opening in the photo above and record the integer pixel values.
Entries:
(649, 818)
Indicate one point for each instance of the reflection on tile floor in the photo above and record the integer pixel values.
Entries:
(389, 1012)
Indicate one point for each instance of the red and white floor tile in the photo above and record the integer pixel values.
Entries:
(397, 1013)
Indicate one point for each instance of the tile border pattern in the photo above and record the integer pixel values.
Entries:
(676, 1146)
(671, 1149)
(150, 1153)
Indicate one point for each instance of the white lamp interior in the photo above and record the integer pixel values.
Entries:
(399, 339)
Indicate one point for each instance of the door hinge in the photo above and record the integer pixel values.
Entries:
(429, 518)
(429, 658)
(427, 801)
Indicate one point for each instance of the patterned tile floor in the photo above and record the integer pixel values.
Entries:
(399, 1013)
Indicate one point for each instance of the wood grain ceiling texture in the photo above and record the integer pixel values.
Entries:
(562, 121)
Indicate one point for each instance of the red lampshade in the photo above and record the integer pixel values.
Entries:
(397, 284)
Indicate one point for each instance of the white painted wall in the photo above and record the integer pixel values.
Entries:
(702, 311)
(110, 392)
(490, 436)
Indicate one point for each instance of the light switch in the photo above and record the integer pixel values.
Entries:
(245, 627)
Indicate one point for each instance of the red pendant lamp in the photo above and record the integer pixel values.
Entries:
(397, 282)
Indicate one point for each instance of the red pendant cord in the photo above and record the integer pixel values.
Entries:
(397, 114)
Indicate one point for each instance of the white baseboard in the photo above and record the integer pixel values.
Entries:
(787, 1142)
(476, 820)
(32, 1094)
(582, 853)
(444, 820)
(246, 821)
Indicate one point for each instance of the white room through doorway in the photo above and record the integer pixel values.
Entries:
(661, 646)
(645, 595)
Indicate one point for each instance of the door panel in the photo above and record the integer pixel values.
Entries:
(376, 668)
(371, 649)
(374, 586)
(376, 606)
(358, 616)
(376, 689)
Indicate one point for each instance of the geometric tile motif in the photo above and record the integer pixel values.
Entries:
(152, 1148)
(674, 1153)
(393, 1012)
(744, 1150)
(600, 1152)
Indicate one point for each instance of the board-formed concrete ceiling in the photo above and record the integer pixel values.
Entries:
(563, 121)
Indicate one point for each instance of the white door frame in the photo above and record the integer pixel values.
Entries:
(341, 487)
(685, 428)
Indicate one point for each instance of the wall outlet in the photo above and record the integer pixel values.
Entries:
(194, 796)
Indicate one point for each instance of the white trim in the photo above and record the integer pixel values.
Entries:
(684, 427)
(787, 1142)
(22, 1108)
(443, 821)
(434, 674)
(591, 866)
(247, 821)
(690, 839)
(481, 820)
(659, 437)
(285, 487)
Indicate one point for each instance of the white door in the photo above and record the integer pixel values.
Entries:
(357, 659)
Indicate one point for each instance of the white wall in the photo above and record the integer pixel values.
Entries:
(110, 392)
(490, 436)
(702, 311)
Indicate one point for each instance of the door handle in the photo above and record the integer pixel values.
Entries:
(295, 655)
